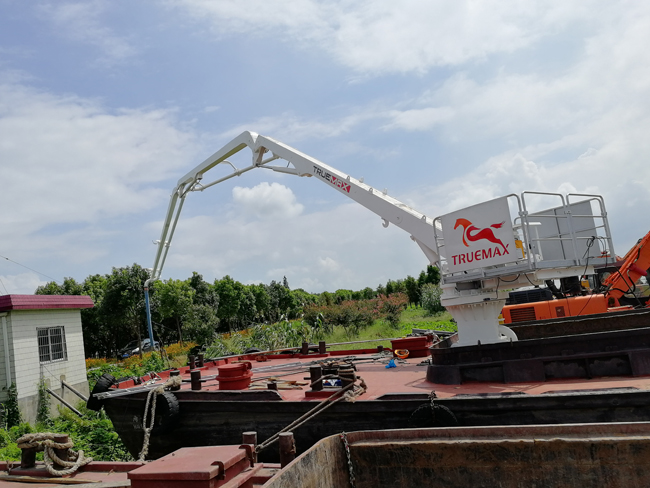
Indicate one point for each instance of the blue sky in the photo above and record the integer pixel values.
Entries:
(105, 104)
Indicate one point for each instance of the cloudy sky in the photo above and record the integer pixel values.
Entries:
(105, 104)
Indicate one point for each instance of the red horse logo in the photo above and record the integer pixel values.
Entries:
(472, 233)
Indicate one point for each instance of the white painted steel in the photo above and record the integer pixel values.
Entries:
(470, 294)
(388, 208)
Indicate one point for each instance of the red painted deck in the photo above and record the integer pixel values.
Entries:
(408, 377)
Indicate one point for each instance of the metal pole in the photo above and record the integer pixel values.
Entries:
(83, 397)
(147, 306)
(64, 402)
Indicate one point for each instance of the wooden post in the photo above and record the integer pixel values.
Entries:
(201, 360)
(322, 347)
(305, 348)
(287, 448)
(192, 361)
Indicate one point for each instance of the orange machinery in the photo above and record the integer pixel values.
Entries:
(621, 282)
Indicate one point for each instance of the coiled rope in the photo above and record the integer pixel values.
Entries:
(171, 382)
(44, 441)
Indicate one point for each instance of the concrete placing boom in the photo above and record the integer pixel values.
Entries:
(478, 249)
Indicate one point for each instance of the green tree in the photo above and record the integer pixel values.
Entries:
(175, 300)
(368, 293)
(431, 298)
(342, 295)
(262, 301)
(69, 287)
(201, 324)
(204, 293)
(123, 303)
(230, 299)
(97, 333)
(412, 290)
(281, 300)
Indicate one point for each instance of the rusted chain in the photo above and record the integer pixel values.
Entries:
(348, 455)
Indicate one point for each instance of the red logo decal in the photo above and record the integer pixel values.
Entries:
(472, 233)
(340, 184)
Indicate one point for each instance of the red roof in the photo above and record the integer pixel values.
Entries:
(43, 302)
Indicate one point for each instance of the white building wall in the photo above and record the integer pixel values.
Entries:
(25, 358)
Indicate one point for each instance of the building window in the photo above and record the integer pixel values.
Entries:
(51, 344)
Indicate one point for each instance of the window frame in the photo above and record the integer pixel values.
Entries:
(52, 346)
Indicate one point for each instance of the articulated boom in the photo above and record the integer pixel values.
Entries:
(472, 275)
(389, 209)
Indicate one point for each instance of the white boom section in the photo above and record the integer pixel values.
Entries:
(391, 210)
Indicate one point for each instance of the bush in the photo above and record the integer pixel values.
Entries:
(43, 409)
(97, 362)
(391, 307)
(13, 417)
(179, 349)
(94, 434)
(431, 298)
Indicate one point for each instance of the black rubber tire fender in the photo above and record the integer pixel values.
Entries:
(167, 413)
(103, 384)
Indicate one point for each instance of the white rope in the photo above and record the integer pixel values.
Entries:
(172, 381)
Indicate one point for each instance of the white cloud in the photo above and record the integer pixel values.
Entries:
(267, 201)
(373, 36)
(20, 284)
(67, 161)
(345, 247)
(296, 128)
(81, 22)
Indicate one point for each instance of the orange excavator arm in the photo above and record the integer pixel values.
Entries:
(633, 266)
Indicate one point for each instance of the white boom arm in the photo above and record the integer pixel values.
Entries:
(391, 210)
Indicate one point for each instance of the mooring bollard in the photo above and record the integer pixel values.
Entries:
(249, 438)
(192, 361)
(28, 457)
(322, 347)
(287, 448)
(173, 374)
(347, 376)
(62, 454)
(380, 348)
(201, 360)
(305, 348)
(195, 379)
(315, 374)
